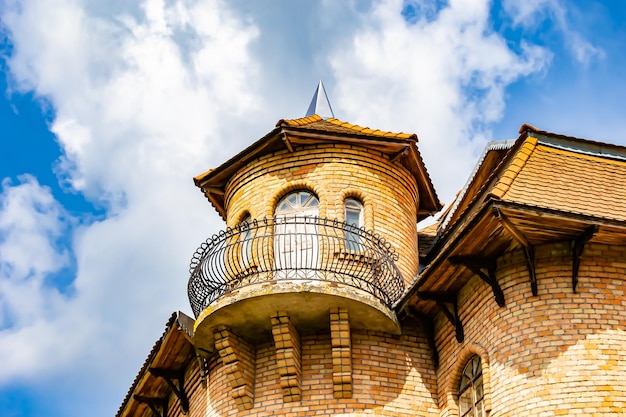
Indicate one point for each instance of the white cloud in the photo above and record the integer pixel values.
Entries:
(531, 13)
(143, 100)
(31, 225)
(444, 78)
(150, 93)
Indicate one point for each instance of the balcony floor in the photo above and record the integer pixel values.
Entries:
(247, 310)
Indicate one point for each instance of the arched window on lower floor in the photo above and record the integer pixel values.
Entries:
(471, 392)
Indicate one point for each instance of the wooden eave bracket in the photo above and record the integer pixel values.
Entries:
(398, 155)
(203, 364)
(429, 331)
(444, 302)
(478, 267)
(578, 246)
(287, 142)
(529, 249)
(176, 380)
(158, 405)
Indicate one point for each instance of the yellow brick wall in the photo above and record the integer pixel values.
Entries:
(559, 353)
(392, 376)
(333, 172)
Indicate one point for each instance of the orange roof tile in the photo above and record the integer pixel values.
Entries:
(565, 180)
(335, 125)
(504, 184)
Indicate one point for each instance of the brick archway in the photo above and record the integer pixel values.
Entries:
(464, 356)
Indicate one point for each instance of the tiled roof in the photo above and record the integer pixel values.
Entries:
(315, 122)
(565, 180)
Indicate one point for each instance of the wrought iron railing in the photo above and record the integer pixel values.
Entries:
(293, 248)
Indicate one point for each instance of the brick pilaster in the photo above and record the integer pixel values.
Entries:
(238, 357)
(288, 355)
(341, 352)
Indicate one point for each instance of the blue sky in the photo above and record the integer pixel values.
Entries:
(109, 108)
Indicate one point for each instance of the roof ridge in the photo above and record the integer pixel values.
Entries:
(515, 167)
(367, 130)
(300, 121)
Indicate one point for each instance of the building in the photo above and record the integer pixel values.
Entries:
(322, 298)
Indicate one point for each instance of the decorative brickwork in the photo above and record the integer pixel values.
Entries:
(342, 352)
(288, 355)
(391, 376)
(238, 357)
(455, 379)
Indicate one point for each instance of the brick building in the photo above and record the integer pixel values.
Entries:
(321, 297)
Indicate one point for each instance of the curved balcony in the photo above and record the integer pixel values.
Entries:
(293, 249)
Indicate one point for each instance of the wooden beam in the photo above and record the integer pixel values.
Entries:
(529, 250)
(399, 155)
(158, 405)
(203, 364)
(578, 246)
(477, 265)
(444, 302)
(215, 190)
(178, 388)
(287, 142)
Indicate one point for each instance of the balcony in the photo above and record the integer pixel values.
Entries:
(293, 248)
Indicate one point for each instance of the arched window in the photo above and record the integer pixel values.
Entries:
(298, 203)
(471, 393)
(353, 211)
(295, 233)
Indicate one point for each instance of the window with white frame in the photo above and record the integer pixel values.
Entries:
(353, 212)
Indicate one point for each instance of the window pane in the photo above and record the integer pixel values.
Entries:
(466, 402)
(479, 409)
(478, 386)
(353, 217)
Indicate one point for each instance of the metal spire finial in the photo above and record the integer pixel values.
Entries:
(320, 104)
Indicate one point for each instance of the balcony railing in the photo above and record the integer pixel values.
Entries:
(293, 248)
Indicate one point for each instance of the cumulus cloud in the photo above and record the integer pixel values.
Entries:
(142, 98)
(441, 75)
(148, 94)
(32, 223)
(531, 13)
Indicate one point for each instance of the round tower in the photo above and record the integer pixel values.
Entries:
(295, 295)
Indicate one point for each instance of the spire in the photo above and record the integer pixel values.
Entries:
(320, 104)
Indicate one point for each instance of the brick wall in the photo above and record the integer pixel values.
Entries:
(333, 172)
(558, 353)
(391, 376)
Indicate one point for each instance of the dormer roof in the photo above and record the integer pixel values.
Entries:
(289, 134)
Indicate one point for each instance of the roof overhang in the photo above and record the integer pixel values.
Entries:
(168, 359)
(496, 228)
(401, 150)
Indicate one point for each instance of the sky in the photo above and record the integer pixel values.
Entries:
(110, 107)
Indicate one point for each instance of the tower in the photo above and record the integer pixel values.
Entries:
(320, 242)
